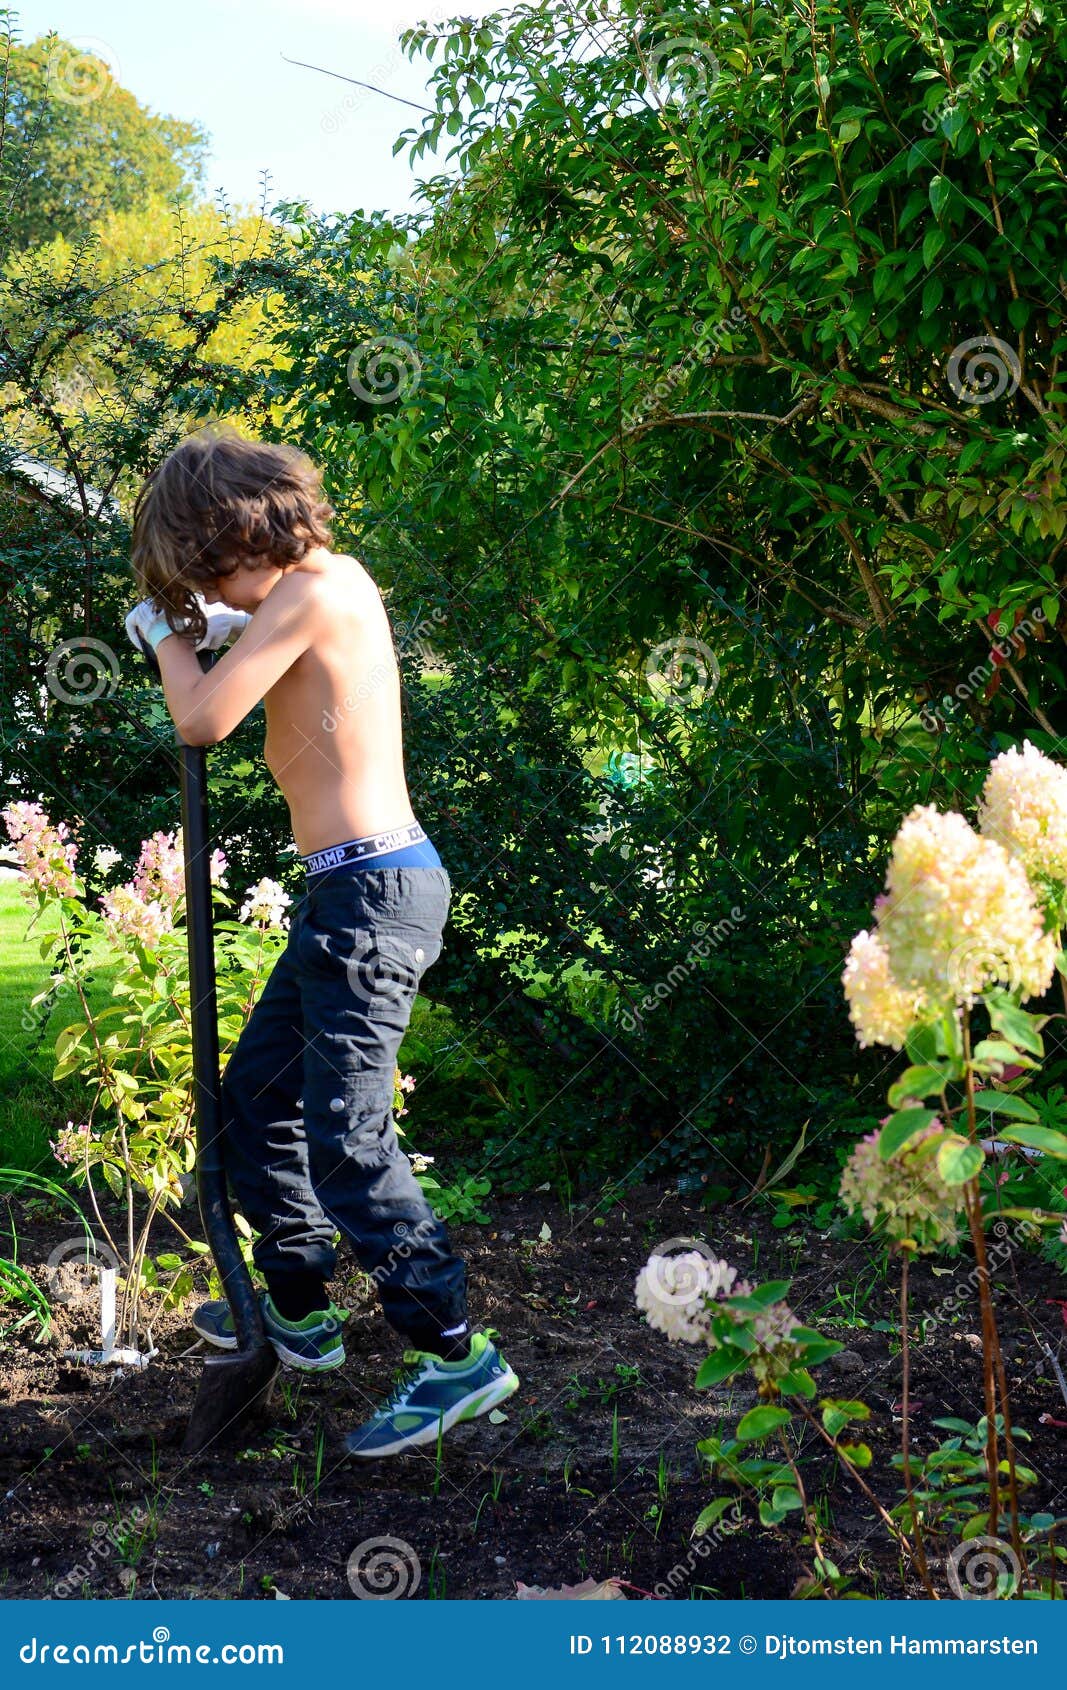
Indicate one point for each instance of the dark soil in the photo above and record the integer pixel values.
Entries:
(541, 1498)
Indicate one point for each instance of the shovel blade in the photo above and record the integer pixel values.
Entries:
(232, 1388)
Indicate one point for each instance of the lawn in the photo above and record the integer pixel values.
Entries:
(32, 1106)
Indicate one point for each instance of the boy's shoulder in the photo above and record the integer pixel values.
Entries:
(334, 579)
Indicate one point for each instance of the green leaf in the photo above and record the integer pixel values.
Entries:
(1005, 1103)
(1050, 1143)
(858, 1454)
(1015, 1023)
(940, 193)
(716, 1367)
(762, 1421)
(958, 1161)
(785, 1498)
(917, 1082)
(714, 1511)
(900, 1127)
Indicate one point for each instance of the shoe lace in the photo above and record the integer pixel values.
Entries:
(414, 1362)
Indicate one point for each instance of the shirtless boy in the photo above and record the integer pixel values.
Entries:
(231, 534)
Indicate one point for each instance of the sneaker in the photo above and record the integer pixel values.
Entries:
(433, 1396)
(313, 1343)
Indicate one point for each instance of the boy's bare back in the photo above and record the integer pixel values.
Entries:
(334, 739)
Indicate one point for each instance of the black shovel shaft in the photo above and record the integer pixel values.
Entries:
(210, 1173)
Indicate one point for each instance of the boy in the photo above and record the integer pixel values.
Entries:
(231, 533)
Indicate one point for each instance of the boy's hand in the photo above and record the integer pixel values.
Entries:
(146, 626)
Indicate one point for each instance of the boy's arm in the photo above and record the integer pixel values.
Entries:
(207, 707)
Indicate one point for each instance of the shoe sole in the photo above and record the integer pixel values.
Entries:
(468, 1408)
(290, 1357)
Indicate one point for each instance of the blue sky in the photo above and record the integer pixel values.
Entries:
(220, 62)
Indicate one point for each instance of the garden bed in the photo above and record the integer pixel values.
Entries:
(594, 1473)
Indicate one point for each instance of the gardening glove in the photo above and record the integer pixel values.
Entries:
(146, 626)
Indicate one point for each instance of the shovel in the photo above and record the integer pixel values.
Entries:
(235, 1383)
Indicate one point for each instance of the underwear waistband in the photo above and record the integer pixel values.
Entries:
(362, 850)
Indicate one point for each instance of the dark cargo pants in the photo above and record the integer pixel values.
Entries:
(310, 1139)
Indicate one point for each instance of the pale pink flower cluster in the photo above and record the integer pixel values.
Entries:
(905, 1194)
(144, 908)
(70, 1145)
(129, 915)
(882, 1012)
(1024, 808)
(265, 904)
(681, 1295)
(675, 1293)
(958, 916)
(46, 853)
(407, 1083)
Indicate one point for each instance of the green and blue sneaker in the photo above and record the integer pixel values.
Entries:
(313, 1343)
(432, 1396)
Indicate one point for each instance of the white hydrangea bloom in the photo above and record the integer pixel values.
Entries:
(266, 904)
(1024, 808)
(674, 1292)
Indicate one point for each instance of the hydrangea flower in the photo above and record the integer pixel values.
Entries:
(882, 1012)
(1024, 808)
(958, 916)
(70, 1145)
(105, 858)
(674, 1293)
(265, 904)
(906, 1194)
(46, 853)
(131, 916)
(680, 1295)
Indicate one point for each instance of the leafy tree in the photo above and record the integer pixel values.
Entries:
(77, 144)
(736, 338)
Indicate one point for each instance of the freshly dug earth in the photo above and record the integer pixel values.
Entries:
(594, 1472)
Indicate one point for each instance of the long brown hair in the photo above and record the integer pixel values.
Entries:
(216, 501)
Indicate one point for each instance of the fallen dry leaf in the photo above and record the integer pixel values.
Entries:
(590, 1590)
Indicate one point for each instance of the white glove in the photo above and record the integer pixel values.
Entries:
(147, 626)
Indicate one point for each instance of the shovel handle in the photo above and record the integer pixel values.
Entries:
(210, 1171)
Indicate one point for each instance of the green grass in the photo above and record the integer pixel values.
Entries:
(32, 1106)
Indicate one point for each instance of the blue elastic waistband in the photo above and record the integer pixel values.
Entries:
(400, 846)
